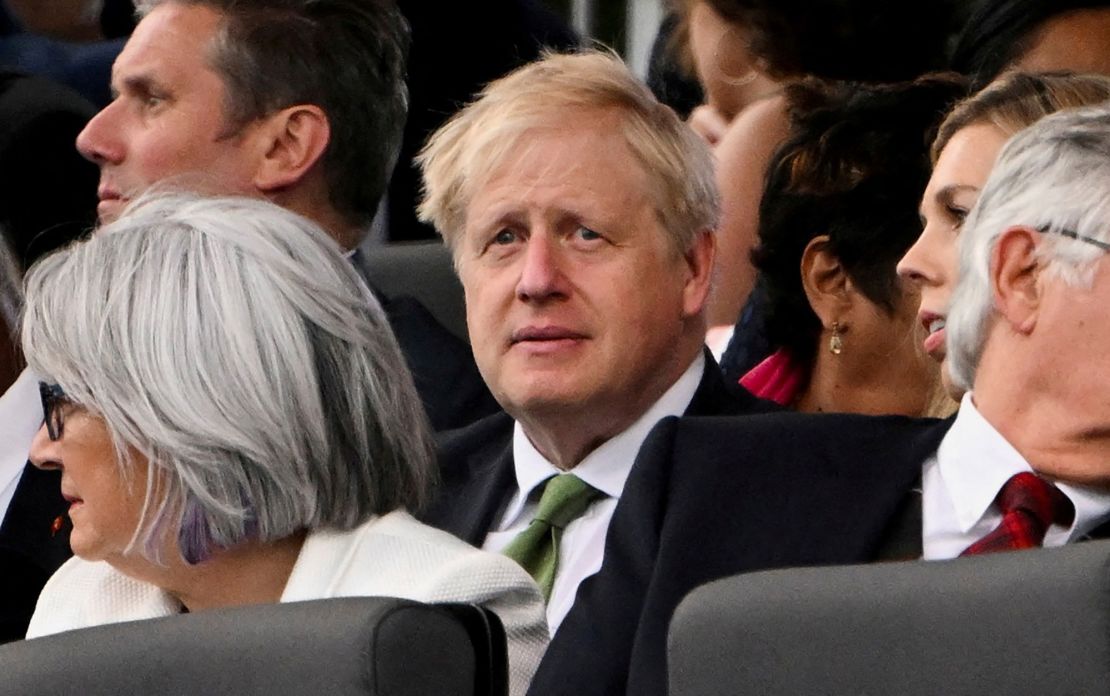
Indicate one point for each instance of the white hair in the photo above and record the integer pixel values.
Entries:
(1053, 176)
(229, 342)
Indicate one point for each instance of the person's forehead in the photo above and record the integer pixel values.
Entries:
(172, 41)
(583, 145)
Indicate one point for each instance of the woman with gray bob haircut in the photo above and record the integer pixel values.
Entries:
(1053, 177)
(235, 424)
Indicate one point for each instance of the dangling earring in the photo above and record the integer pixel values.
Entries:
(836, 345)
(732, 80)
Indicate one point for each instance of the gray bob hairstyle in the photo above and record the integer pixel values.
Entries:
(229, 342)
(461, 156)
(1055, 177)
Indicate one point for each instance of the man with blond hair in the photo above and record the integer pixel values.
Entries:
(580, 213)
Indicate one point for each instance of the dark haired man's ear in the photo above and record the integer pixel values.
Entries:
(293, 141)
(826, 285)
(1014, 278)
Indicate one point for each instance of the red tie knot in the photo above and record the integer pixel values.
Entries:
(1035, 496)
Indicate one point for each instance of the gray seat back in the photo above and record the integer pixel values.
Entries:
(1030, 622)
(424, 271)
(340, 647)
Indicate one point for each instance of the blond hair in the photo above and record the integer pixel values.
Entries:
(1017, 100)
(461, 155)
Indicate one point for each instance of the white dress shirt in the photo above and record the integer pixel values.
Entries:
(961, 481)
(606, 469)
(20, 419)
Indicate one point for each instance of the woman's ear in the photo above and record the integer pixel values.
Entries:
(826, 285)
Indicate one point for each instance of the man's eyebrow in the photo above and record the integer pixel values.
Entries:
(136, 84)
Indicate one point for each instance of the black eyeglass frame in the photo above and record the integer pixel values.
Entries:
(53, 398)
(1072, 234)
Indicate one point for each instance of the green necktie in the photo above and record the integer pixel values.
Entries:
(536, 549)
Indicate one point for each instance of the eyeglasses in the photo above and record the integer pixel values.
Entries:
(53, 399)
(1045, 229)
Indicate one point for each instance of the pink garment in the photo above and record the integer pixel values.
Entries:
(777, 378)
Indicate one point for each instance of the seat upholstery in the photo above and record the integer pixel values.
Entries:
(1028, 622)
(424, 271)
(340, 647)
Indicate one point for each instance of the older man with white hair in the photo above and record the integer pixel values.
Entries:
(1025, 462)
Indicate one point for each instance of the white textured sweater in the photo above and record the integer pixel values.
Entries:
(390, 556)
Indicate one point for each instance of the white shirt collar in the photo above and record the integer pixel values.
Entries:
(608, 466)
(20, 419)
(975, 461)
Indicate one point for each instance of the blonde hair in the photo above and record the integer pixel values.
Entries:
(1017, 100)
(461, 155)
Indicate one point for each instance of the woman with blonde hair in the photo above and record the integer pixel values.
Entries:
(963, 154)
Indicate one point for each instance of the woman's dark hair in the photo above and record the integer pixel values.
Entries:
(853, 168)
(860, 40)
(999, 32)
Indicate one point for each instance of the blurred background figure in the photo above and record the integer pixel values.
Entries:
(743, 52)
(966, 146)
(839, 210)
(458, 47)
(1034, 35)
(234, 424)
(72, 42)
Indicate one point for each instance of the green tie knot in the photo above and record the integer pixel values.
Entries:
(565, 497)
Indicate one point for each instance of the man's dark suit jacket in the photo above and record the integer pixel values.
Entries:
(476, 463)
(713, 497)
(30, 549)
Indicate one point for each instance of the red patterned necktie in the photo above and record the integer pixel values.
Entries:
(1029, 505)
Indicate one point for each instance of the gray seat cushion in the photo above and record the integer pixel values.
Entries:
(1030, 622)
(378, 646)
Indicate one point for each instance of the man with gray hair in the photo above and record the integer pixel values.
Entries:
(1025, 462)
(580, 212)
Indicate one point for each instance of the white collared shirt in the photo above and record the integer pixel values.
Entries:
(606, 469)
(20, 419)
(961, 481)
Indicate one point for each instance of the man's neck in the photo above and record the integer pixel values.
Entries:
(1049, 434)
(567, 435)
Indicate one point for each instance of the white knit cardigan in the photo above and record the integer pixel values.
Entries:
(391, 556)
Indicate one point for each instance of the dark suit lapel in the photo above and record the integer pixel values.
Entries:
(715, 397)
(30, 548)
(485, 495)
(27, 528)
(476, 468)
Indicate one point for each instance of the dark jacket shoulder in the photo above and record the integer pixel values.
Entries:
(713, 497)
